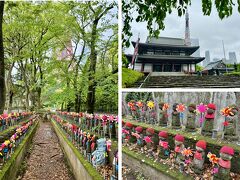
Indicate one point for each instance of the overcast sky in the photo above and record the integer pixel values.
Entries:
(210, 30)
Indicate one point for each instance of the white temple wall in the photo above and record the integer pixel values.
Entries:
(193, 67)
(148, 68)
(184, 67)
(138, 66)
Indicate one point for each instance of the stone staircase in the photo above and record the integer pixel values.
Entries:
(190, 82)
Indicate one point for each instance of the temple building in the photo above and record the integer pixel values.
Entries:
(164, 54)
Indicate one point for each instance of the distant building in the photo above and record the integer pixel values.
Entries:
(217, 67)
(232, 57)
(207, 58)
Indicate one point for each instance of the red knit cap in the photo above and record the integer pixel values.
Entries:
(179, 138)
(202, 144)
(150, 130)
(211, 106)
(163, 134)
(128, 124)
(139, 129)
(227, 150)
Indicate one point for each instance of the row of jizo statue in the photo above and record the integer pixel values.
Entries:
(148, 114)
(195, 159)
(92, 137)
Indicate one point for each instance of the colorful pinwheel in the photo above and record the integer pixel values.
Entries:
(227, 111)
(139, 104)
(187, 152)
(165, 106)
(181, 108)
(213, 158)
(150, 104)
(201, 108)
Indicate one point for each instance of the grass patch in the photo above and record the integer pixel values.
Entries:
(232, 74)
(129, 77)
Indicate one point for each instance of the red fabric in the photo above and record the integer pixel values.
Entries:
(209, 116)
(227, 150)
(92, 146)
(211, 106)
(198, 155)
(128, 124)
(225, 164)
(139, 129)
(150, 130)
(202, 144)
(74, 127)
(163, 134)
(179, 138)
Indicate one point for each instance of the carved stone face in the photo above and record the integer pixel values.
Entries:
(178, 143)
(199, 149)
(226, 157)
(162, 139)
(175, 106)
(210, 111)
(191, 109)
(160, 105)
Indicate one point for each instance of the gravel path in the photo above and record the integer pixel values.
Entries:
(46, 161)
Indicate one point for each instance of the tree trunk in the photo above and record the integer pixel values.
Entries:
(2, 68)
(92, 69)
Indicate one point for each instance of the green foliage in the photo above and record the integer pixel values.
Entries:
(232, 73)
(36, 34)
(107, 94)
(129, 77)
(156, 11)
(199, 68)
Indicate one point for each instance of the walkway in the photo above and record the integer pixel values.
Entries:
(46, 161)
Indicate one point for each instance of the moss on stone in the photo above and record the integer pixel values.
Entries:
(165, 169)
(88, 166)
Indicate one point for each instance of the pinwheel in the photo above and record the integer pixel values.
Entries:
(201, 108)
(165, 106)
(139, 104)
(226, 112)
(187, 152)
(212, 158)
(181, 108)
(150, 104)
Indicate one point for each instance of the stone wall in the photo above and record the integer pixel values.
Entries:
(81, 169)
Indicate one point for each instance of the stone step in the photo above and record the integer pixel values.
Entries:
(191, 82)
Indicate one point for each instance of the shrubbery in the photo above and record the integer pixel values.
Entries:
(129, 77)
